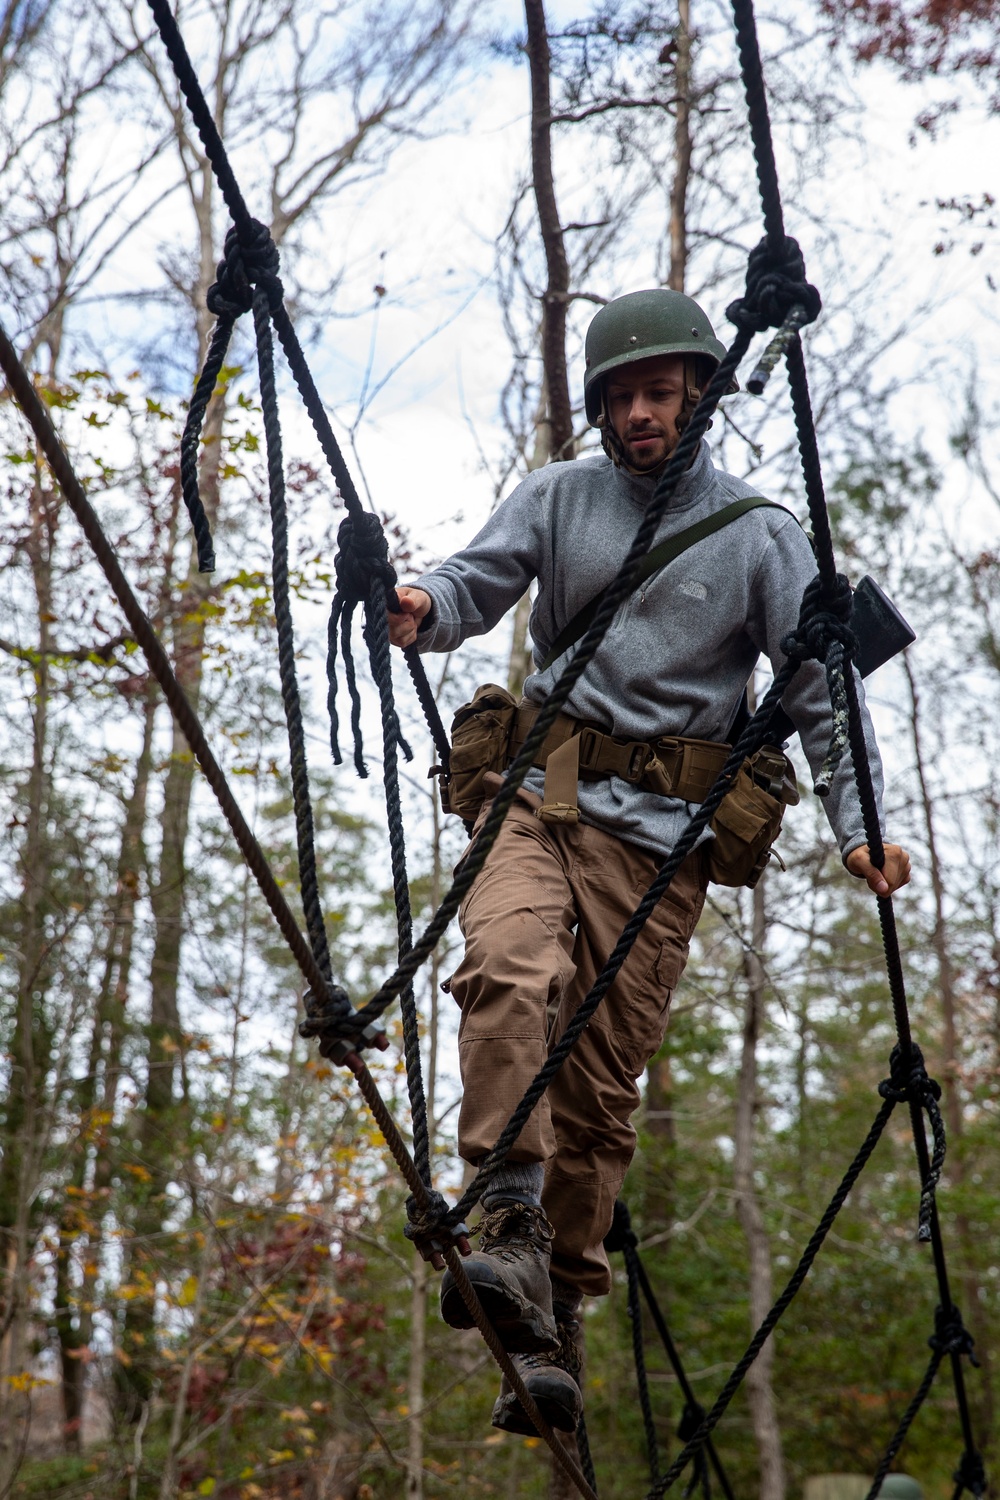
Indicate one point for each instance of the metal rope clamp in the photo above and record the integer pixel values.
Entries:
(427, 1226)
(329, 1018)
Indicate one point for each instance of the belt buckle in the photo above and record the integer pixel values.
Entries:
(637, 762)
(590, 741)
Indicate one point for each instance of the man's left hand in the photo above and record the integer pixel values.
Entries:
(885, 882)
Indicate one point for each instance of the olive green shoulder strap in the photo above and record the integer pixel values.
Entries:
(656, 559)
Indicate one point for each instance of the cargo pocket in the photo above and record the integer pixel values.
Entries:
(642, 1025)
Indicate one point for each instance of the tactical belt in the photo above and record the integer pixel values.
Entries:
(574, 750)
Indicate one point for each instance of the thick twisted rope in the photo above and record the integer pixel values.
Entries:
(378, 644)
(622, 1237)
(770, 1322)
(616, 592)
(840, 672)
(159, 664)
(301, 799)
(950, 1336)
(777, 296)
(191, 436)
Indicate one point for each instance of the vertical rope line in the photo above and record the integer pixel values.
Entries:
(760, 122)
(201, 114)
(785, 1299)
(304, 829)
(675, 1360)
(812, 472)
(191, 437)
(377, 632)
(639, 1355)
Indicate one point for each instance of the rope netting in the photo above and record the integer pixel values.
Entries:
(777, 297)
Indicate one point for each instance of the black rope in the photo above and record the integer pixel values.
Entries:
(190, 437)
(377, 633)
(639, 1356)
(583, 1448)
(159, 665)
(767, 1327)
(301, 800)
(909, 1082)
(950, 1337)
(777, 296)
(970, 1475)
(780, 265)
(622, 1237)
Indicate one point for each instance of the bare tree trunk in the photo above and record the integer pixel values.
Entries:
(555, 296)
(158, 1124)
(682, 149)
(31, 1041)
(99, 1090)
(952, 1097)
(521, 661)
(760, 1389)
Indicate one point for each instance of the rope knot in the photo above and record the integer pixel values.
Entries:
(823, 620)
(912, 1081)
(951, 1336)
(691, 1419)
(776, 283)
(428, 1226)
(362, 558)
(621, 1233)
(245, 265)
(909, 1083)
(332, 1019)
(971, 1473)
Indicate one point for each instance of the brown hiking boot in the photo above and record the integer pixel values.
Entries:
(554, 1381)
(511, 1276)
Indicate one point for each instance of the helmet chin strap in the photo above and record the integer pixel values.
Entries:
(615, 448)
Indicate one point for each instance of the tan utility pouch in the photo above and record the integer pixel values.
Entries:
(749, 818)
(480, 735)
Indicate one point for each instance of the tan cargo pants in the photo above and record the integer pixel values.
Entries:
(539, 922)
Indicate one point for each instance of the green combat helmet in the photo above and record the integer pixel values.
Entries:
(642, 325)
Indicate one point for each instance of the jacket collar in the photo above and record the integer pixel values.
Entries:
(691, 488)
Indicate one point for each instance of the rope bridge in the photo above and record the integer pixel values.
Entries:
(777, 297)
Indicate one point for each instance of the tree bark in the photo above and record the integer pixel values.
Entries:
(31, 1042)
(760, 1389)
(555, 297)
(682, 150)
(98, 1092)
(521, 661)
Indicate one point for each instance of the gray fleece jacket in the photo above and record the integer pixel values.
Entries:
(680, 650)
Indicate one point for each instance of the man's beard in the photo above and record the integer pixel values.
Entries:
(645, 462)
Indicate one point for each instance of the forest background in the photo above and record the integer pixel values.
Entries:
(205, 1287)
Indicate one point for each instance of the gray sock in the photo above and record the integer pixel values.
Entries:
(519, 1180)
(565, 1296)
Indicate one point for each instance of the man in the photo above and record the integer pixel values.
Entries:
(547, 908)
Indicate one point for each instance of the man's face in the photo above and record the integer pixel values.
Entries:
(644, 401)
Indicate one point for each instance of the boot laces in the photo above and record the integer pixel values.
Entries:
(514, 1225)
